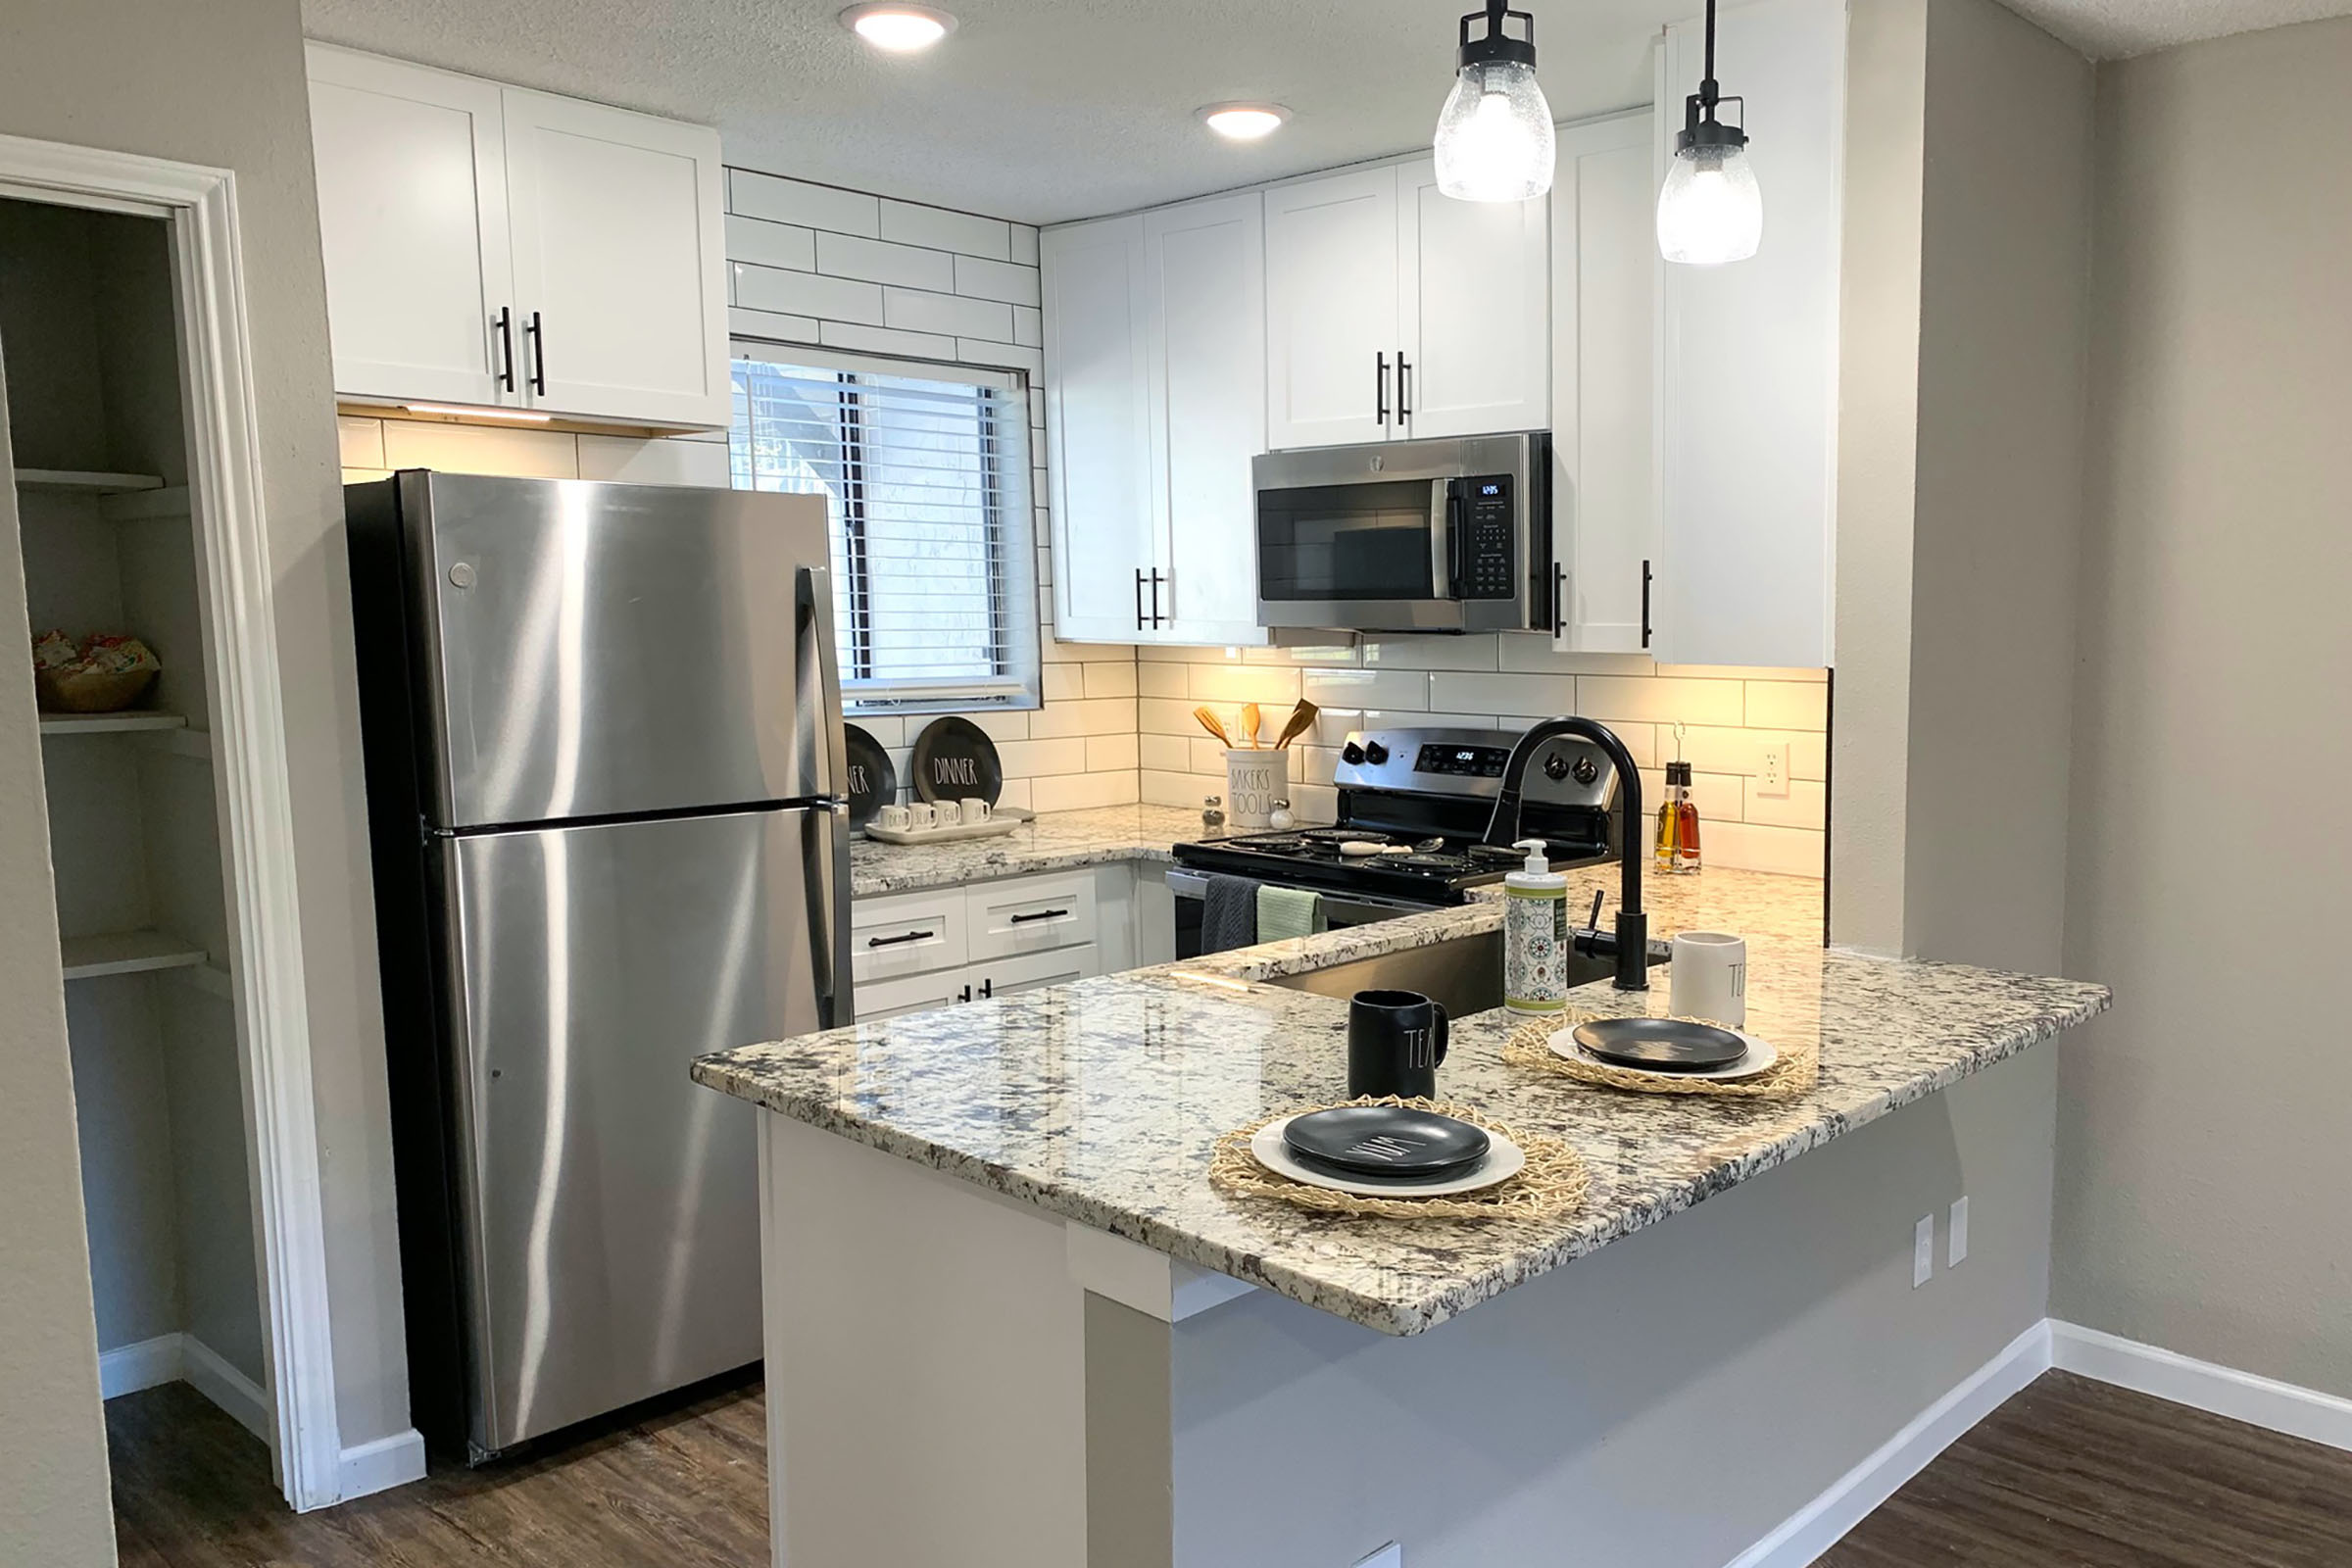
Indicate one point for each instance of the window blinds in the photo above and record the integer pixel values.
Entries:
(925, 474)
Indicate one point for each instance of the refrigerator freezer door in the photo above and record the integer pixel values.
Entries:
(610, 1212)
(605, 650)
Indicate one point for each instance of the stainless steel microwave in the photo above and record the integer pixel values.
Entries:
(1407, 536)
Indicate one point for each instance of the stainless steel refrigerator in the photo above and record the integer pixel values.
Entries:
(606, 804)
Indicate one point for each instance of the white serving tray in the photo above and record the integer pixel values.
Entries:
(1003, 820)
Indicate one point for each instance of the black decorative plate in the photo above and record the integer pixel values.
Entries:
(873, 781)
(955, 759)
(1660, 1045)
(1392, 1141)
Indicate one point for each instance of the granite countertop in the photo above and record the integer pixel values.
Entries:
(1056, 841)
(1101, 1101)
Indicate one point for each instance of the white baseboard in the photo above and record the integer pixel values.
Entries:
(382, 1464)
(1818, 1526)
(210, 1373)
(147, 1364)
(2261, 1401)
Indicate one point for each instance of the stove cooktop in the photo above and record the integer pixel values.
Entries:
(1435, 869)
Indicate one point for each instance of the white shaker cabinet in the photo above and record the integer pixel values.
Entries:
(493, 246)
(1395, 311)
(412, 212)
(1154, 366)
(1604, 344)
(1747, 429)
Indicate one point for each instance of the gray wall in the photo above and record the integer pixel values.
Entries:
(1965, 317)
(2203, 1153)
(223, 84)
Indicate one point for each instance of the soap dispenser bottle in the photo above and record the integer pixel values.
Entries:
(1534, 936)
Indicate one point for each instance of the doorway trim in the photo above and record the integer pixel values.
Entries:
(249, 738)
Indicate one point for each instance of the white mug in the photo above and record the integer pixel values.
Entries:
(893, 817)
(949, 813)
(1710, 977)
(975, 809)
(921, 816)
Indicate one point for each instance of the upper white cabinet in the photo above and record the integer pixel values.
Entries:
(495, 246)
(1747, 432)
(1394, 310)
(1604, 344)
(1154, 370)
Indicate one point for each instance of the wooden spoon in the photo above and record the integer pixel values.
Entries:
(1251, 719)
(1208, 723)
(1301, 719)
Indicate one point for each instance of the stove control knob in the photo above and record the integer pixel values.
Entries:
(1376, 753)
(1587, 770)
(1555, 767)
(1351, 753)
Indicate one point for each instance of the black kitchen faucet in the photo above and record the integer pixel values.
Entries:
(1630, 944)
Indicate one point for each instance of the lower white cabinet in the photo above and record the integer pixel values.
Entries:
(906, 934)
(921, 993)
(1029, 914)
(916, 952)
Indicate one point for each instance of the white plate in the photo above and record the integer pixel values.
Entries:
(1760, 1055)
(1503, 1161)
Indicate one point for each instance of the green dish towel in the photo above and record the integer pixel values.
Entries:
(1288, 913)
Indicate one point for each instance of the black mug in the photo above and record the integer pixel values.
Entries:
(1396, 1039)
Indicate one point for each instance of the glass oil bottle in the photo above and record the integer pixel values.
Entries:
(1677, 848)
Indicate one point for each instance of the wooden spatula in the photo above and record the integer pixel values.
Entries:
(1209, 722)
(1302, 718)
(1251, 719)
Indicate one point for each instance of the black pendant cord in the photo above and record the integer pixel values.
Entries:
(1701, 125)
(1709, 91)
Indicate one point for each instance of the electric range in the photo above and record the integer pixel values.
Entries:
(1412, 809)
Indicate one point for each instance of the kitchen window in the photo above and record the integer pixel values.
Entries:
(926, 472)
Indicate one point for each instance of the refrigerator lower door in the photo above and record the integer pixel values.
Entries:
(610, 1205)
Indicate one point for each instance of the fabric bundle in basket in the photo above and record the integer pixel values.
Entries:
(104, 675)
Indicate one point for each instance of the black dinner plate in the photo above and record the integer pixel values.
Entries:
(1660, 1045)
(954, 759)
(1392, 1141)
(873, 781)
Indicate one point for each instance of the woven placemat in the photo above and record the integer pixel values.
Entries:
(1796, 1072)
(1553, 1183)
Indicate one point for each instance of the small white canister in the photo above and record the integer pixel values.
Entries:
(1254, 778)
(1710, 977)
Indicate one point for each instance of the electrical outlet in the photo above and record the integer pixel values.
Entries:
(1775, 778)
(1955, 1237)
(1391, 1555)
(1923, 1250)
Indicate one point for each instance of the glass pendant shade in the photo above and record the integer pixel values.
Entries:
(1495, 139)
(1711, 210)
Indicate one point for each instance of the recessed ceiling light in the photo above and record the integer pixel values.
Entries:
(1245, 122)
(898, 28)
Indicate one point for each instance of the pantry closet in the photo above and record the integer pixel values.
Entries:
(91, 345)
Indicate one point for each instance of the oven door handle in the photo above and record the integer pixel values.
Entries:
(1335, 906)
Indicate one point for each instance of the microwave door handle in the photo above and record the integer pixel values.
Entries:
(1441, 539)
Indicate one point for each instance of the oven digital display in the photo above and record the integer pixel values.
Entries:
(1473, 761)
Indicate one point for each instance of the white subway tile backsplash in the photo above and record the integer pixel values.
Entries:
(830, 299)
(1469, 692)
(1029, 330)
(983, 278)
(1533, 655)
(1003, 355)
(1805, 806)
(1024, 244)
(965, 234)
(1754, 847)
(1160, 681)
(632, 460)
(1112, 680)
(1664, 701)
(772, 324)
(1365, 688)
(1108, 753)
(481, 448)
(881, 340)
(1064, 682)
(795, 201)
(1431, 653)
(879, 260)
(948, 314)
(1232, 684)
(1036, 759)
(753, 239)
(360, 441)
(1166, 715)
(1164, 754)
(1078, 792)
(1091, 715)
(1788, 704)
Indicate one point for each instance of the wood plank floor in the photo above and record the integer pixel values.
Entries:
(2069, 1474)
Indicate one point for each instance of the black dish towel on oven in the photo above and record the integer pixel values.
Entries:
(1229, 915)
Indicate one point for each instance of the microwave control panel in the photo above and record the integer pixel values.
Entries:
(1487, 548)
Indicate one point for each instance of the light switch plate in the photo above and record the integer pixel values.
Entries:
(1955, 1244)
(1923, 1250)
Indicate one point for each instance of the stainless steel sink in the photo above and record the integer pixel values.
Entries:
(1463, 976)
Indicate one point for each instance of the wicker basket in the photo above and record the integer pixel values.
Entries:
(91, 691)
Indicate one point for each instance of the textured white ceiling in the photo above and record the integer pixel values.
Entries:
(1052, 109)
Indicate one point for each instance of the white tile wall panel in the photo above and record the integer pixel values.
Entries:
(1093, 715)
(1160, 681)
(1107, 753)
(772, 325)
(948, 314)
(965, 234)
(1064, 682)
(1469, 692)
(983, 278)
(1036, 759)
(1663, 701)
(793, 201)
(480, 449)
(1029, 330)
(1533, 655)
(1164, 754)
(879, 260)
(630, 461)
(1788, 704)
(1430, 653)
(880, 340)
(1805, 806)
(1005, 356)
(1024, 244)
(829, 298)
(1110, 680)
(1080, 791)
(360, 442)
(1751, 846)
(1241, 683)
(751, 239)
(1365, 688)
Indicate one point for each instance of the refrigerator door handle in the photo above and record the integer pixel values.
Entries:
(826, 850)
(814, 622)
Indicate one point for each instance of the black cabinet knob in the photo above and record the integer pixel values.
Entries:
(1376, 753)
(1351, 753)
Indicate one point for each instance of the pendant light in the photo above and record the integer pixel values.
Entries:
(1494, 141)
(1710, 211)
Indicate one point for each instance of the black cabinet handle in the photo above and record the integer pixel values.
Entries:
(966, 995)
(892, 941)
(1156, 579)
(1380, 388)
(1645, 604)
(1559, 600)
(506, 347)
(537, 335)
(987, 989)
(1039, 914)
(1404, 371)
(1139, 599)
